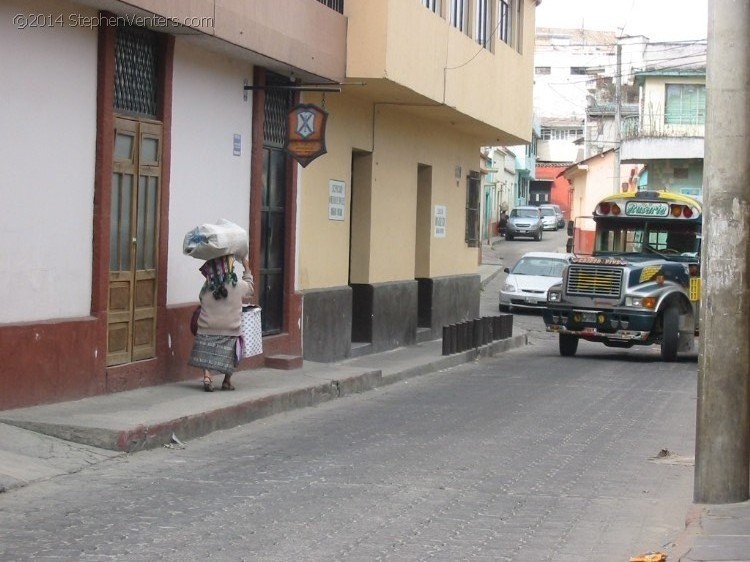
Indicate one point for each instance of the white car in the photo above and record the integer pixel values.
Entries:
(530, 279)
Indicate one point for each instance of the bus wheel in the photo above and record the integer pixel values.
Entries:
(670, 333)
(568, 345)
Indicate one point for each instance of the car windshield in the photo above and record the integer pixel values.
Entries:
(548, 212)
(525, 213)
(544, 267)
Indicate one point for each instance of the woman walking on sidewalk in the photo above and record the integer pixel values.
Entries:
(216, 340)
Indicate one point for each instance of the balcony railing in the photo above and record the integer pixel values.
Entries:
(336, 5)
(653, 125)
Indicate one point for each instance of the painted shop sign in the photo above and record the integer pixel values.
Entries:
(306, 133)
(441, 213)
(336, 200)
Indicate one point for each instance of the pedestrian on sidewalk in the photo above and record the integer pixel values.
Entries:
(216, 346)
(502, 223)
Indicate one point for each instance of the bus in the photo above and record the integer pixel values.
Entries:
(641, 284)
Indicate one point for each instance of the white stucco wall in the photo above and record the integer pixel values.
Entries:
(47, 156)
(208, 181)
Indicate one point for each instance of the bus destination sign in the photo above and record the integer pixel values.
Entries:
(646, 209)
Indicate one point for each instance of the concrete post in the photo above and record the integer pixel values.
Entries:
(722, 455)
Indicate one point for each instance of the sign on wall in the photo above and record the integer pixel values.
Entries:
(441, 212)
(336, 200)
(306, 133)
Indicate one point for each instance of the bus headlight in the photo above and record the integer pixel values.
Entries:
(641, 302)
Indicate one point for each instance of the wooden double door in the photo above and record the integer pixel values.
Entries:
(133, 241)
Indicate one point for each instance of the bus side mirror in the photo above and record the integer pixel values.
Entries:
(569, 245)
(571, 228)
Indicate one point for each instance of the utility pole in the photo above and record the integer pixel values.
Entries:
(618, 103)
(722, 444)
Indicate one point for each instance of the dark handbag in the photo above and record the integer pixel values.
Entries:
(194, 320)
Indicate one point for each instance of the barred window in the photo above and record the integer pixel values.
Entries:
(472, 209)
(483, 31)
(503, 24)
(432, 5)
(336, 5)
(278, 102)
(459, 14)
(136, 65)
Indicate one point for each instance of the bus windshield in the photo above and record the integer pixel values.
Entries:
(674, 241)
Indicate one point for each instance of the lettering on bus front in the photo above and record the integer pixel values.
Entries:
(646, 209)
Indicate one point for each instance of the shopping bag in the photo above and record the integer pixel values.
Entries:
(251, 331)
(209, 241)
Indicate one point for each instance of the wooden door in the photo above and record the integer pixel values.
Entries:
(134, 234)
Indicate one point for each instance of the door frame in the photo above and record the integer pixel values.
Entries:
(165, 365)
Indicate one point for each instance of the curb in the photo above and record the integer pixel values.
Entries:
(490, 277)
(142, 437)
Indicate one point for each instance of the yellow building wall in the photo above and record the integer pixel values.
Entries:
(384, 232)
(405, 43)
(323, 247)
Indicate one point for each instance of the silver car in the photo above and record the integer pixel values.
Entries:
(530, 279)
(549, 217)
(524, 221)
(558, 212)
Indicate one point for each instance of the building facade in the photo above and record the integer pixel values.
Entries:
(406, 148)
(134, 121)
(667, 137)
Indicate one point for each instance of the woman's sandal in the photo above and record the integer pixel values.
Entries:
(226, 385)
(208, 384)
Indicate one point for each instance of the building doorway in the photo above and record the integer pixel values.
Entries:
(133, 243)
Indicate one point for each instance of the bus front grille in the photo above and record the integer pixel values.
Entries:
(594, 281)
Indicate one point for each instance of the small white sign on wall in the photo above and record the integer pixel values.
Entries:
(440, 220)
(336, 200)
(237, 145)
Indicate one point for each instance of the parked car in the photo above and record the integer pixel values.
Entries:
(549, 217)
(530, 279)
(558, 212)
(524, 221)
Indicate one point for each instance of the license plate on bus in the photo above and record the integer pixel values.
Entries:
(589, 316)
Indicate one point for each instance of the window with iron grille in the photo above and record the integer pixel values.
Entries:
(136, 66)
(336, 5)
(510, 23)
(459, 14)
(278, 102)
(503, 21)
(472, 209)
(483, 32)
(518, 26)
(432, 5)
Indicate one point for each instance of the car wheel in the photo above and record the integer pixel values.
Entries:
(509, 237)
(568, 345)
(504, 308)
(670, 333)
